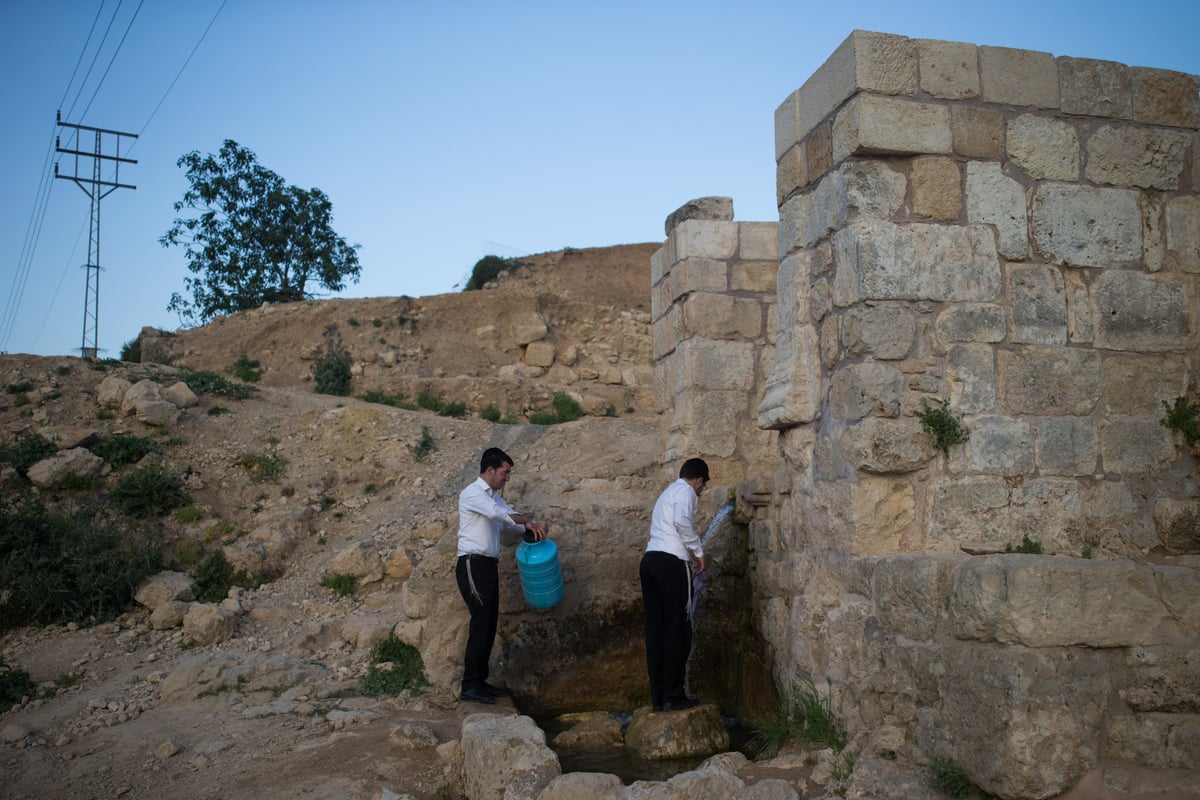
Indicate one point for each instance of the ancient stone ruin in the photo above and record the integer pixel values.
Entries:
(1005, 239)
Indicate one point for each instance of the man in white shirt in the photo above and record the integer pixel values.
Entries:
(666, 575)
(482, 515)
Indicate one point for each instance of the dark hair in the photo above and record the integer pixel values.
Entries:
(493, 458)
(694, 468)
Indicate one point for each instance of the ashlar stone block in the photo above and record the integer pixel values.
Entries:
(757, 241)
(1149, 158)
(1044, 148)
(995, 199)
(698, 274)
(1085, 226)
(971, 322)
(876, 260)
(1163, 679)
(948, 69)
(755, 276)
(883, 510)
(1066, 446)
(705, 238)
(1140, 383)
(1049, 381)
(867, 389)
(1145, 313)
(794, 390)
(717, 365)
(1164, 97)
(791, 173)
(965, 509)
(978, 132)
(1095, 88)
(873, 124)
(1183, 229)
(885, 332)
(1038, 302)
(880, 445)
(936, 188)
(1134, 445)
(1000, 446)
(722, 315)
(1178, 524)
(1018, 77)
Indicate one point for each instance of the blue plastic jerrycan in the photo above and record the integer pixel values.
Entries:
(541, 577)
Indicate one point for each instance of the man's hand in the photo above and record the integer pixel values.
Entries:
(540, 530)
(700, 563)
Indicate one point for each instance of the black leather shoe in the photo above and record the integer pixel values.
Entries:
(681, 704)
(475, 696)
(497, 691)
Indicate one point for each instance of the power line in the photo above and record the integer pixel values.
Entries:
(113, 59)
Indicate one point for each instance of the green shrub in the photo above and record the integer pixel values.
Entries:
(1027, 545)
(19, 388)
(801, 715)
(27, 451)
(488, 268)
(74, 482)
(949, 779)
(262, 466)
(425, 445)
(189, 514)
(15, 686)
(219, 411)
(943, 425)
(386, 399)
(205, 382)
(457, 410)
(76, 563)
(490, 413)
(246, 369)
(567, 408)
(1184, 416)
(543, 418)
(132, 350)
(149, 491)
(331, 369)
(377, 322)
(124, 448)
(342, 585)
(396, 667)
(215, 576)
(430, 401)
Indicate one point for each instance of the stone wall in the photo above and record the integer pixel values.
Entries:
(1018, 236)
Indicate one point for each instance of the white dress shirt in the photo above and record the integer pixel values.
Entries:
(671, 528)
(482, 515)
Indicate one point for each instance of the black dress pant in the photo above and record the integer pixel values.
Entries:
(479, 584)
(667, 598)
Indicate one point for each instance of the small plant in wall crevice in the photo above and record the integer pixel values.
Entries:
(943, 425)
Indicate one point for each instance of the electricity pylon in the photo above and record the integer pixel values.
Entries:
(96, 189)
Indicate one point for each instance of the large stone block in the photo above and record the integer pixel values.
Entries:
(871, 124)
(1048, 510)
(791, 173)
(705, 238)
(865, 61)
(882, 445)
(707, 422)
(978, 132)
(877, 260)
(1141, 312)
(967, 509)
(1038, 299)
(1164, 741)
(936, 188)
(1164, 679)
(995, 199)
(1183, 227)
(1085, 226)
(1049, 381)
(971, 377)
(869, 389)
(883, 510)
(886, 332)
(1053, 601)
(755, 276)
(909, 594)
(1018, 77)
(506, 756)
(948, 69)
(794, 390)
(971, 322)
(717, 365)
(1066, 446)
(757, 241)
(1095, 88)
(1044, 149)
(702, 208)
(1178, 524)
(720, 315)
(1000, 446)
(1022, 723)
(1163, 97)
(1139, 384)
(1135, 445)
(698, 274)
(1124, 155)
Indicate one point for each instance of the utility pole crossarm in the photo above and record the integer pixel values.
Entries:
(96, 188)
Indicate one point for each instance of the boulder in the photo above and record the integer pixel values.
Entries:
(677, 734)
(165, 587)
(506, 756)
(208, 624)
(52, 472)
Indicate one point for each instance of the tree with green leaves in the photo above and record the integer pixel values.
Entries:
(253, 239)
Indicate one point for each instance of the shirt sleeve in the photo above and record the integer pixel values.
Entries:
(491, 507)
(684, 509)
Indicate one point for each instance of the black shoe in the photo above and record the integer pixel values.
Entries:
(497, 691)
(476, 696)
(681, 704)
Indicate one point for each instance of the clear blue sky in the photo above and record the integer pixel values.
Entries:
(441, 131)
